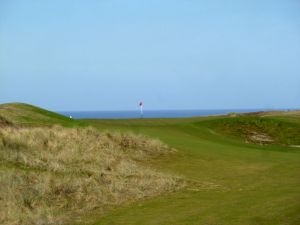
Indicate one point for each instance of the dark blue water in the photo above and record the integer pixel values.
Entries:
(150, 113)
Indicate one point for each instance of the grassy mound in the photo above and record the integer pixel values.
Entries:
(49, 175)
(257, 129)
(28, 115)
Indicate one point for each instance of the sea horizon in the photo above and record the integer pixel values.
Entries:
(132, 114)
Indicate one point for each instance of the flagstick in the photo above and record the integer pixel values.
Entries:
(141, 111)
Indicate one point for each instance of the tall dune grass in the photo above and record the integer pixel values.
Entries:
(50, 175)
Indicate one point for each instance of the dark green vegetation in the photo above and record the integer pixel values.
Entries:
(257, 129)
(243, 170)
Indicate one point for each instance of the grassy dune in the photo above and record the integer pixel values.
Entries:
(28, 115)
(54, 175)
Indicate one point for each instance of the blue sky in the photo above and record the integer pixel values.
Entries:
(172, 54)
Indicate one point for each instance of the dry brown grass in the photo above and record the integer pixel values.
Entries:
(50, 175)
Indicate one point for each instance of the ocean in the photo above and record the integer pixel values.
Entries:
(150, 113)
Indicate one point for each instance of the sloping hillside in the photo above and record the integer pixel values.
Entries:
(54, 174)
(25, 114)
(258, 129)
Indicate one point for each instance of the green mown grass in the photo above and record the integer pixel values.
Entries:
(234, 182)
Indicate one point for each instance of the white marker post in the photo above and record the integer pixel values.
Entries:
(141, 108)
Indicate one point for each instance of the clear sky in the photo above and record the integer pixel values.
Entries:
(172, 54)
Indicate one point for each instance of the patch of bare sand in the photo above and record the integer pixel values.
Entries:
(261, 138)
